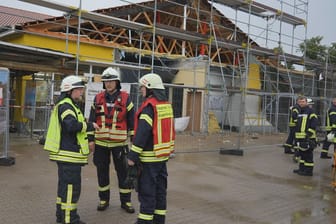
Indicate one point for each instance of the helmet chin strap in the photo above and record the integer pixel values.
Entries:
(149, 92)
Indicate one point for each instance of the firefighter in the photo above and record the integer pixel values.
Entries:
(293, 113)
(67, 144)
(305, 137)
(296, 157)
(153, 142)
(330, 125)
(113, 111)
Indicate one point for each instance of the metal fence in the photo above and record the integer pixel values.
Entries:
(206, 118)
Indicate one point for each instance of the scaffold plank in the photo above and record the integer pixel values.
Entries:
(160, 29)
(177, 33)
(261, 10)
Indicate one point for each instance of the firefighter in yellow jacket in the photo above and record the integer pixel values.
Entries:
(67, 144)
(153, 142)
(113, 111)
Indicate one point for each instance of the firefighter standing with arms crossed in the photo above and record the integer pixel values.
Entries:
(67, 144)
(113, 111)
(153, 142)
(330, 125)
(293, 114)
(305, 137)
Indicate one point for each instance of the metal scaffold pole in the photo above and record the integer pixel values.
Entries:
(78, 36)
(179, 30)
(244, 75)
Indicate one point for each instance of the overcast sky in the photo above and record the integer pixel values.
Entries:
(321, 13)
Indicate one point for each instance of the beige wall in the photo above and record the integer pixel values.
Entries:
(192, 74)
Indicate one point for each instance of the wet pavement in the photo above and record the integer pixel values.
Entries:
(205, 187)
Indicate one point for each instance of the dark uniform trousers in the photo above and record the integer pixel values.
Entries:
(307, 160)
(326, 145)
(102, 160)
(68, 192)
(291, 137)
(153, 192)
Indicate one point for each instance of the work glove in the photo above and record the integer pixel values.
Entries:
(303, 145)
(312, 144)
(131, 181)
(331, 136)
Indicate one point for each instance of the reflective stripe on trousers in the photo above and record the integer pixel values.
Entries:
(68, 192)
(153, 192)
(102, 159)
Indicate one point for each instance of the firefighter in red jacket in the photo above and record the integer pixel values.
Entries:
(113, 111)
(153, 142)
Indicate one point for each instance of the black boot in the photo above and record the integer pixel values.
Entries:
(307, 171)
(103, 205)
(324, 155)
(297, 171)
(288, 150)
(141, 221)
(159, 219)
(127, 207)
(301, 169)
(79, 222)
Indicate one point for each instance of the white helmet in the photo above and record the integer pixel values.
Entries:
(71, 82)
(110, 74)
(310, 101)
(151, 81)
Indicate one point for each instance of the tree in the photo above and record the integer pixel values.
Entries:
(314, 49)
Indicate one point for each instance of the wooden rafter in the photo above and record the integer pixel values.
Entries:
(170, 15)
(172, 46)
(214, 55)
(96, 29)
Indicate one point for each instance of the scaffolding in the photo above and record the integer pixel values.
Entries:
(251, 63)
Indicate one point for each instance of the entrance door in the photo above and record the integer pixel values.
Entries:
(194, 102)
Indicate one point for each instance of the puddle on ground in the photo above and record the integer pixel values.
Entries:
(301, 215)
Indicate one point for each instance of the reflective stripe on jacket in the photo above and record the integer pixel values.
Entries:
(293, 115)
(113, 122)
(53, 139)
(330, 123)
(306, 124)
(162, 129)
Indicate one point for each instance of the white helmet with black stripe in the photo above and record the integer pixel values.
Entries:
(151, 81)
(71, 82)
(110, 74)
(310, 101)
